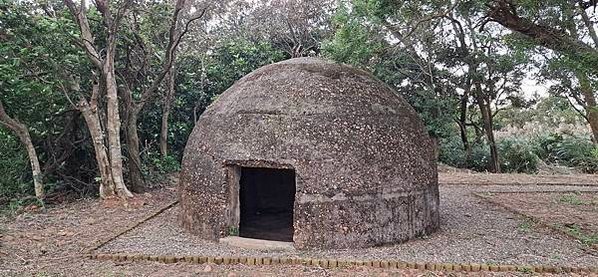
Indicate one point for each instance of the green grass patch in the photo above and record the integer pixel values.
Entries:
(486, 194)
(525, 226)
(587, 239)
(525, 270)
(572, 199)
(16, 205)
(233, 231)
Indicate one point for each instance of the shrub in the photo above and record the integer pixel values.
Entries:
(452, 153)
(517, 156)
(15, 177)
(578, 152)
(166, 164)
(155, 167)
(480, 157)
(545, 146)
(589, 162)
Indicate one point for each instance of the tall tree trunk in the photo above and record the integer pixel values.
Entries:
(164, 130)
(22, 132)
(486, 112)
(463, 126)
(113, 128)
(92, 118)
(132, 111)
(135, 174)
(106, 66)
(35, 167)
(590, 105)
(166, 112)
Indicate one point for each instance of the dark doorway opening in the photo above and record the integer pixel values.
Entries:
(267, 197)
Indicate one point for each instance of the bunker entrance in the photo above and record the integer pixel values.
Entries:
(267, 198)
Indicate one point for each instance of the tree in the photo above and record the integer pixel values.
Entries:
(566, 27)
(36, 66)
(166, 107)
(436, 58)
(512, 15)
(131, 74)
(108, 152)
(137, 72)
(491, 77)
(14, 76)
(296, 27)
(383, 36)
(27, 82)
(22, 132)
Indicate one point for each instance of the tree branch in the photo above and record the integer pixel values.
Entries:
(86, 36)
(174, 40)
(504, 13)
(586, 20)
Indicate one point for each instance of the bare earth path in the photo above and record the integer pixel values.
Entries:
(461, 178)
(473, 230)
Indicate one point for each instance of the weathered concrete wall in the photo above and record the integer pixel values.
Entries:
(364, 164)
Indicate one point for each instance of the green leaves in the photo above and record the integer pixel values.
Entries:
(16, 179)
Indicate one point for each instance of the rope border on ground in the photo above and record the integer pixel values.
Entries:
(133, 226)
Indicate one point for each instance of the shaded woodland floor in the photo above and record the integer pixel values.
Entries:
(48, 242)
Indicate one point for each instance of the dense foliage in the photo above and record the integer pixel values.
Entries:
(466, 76)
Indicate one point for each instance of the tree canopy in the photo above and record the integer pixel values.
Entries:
(99, 97)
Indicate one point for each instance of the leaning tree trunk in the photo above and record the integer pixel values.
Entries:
(132, 112)
(113, 129)
(164, 129)
(590, 105)
(92, 118)
(592, 114)
(463, 126)
(166, 112)
(23, 134)
(487, 118)
(35, 167)
(134, 164)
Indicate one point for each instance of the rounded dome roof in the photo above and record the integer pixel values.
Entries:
(304, 87)
(344, 132)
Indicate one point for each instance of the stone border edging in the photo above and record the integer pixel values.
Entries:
(133, 226)
(334, 263)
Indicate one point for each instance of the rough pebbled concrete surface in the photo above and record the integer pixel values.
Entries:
(365, 168)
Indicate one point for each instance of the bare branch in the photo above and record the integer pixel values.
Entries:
(580, 112)
(589, 24)
(504, 13)
(86, 36)
(431, 17)
(174, 40)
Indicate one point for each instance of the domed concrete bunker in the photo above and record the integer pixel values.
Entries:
(311, 152)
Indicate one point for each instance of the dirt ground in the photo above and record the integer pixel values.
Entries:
(575, 213)
(468, 178)
(48, 242)
(60, 231)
